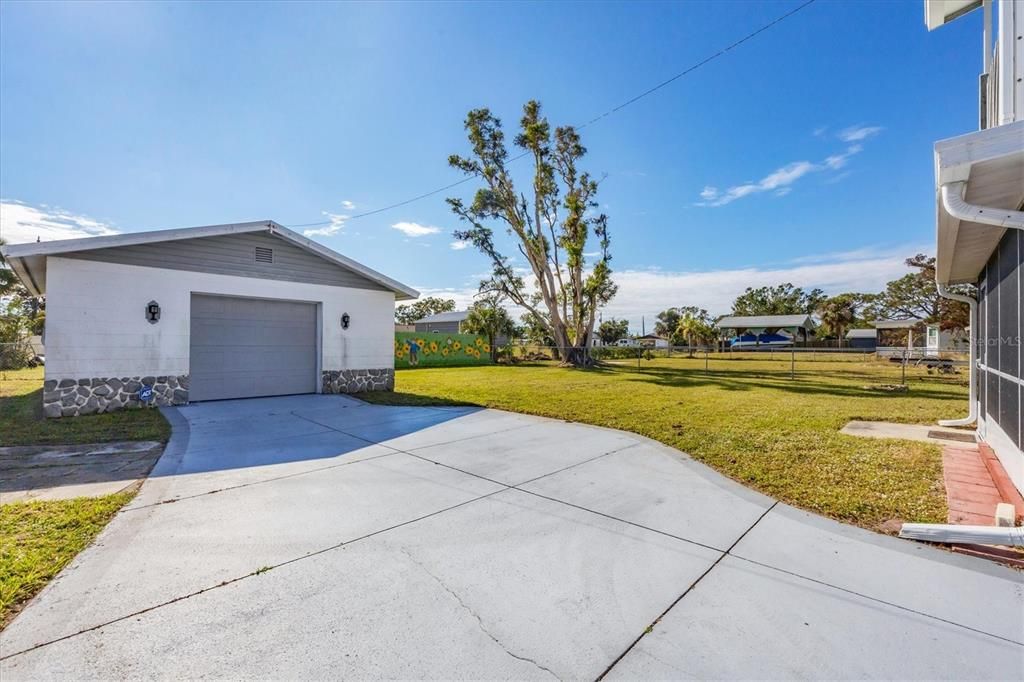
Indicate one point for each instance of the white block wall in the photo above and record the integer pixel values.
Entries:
(96, 324)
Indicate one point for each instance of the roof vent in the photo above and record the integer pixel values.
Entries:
(264, 255)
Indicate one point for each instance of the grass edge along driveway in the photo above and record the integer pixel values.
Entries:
(39, 538)
(746, 418)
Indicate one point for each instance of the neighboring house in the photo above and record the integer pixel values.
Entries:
(449, 323)
(205, 313)
(442, 323)
(866, 339)
(405, 327)
(652, 341)
(979, 192)
(766, 330)
(913, 337)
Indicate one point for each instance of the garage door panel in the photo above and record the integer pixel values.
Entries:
(243, 347)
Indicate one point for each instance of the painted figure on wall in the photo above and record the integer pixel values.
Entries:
(414, 349)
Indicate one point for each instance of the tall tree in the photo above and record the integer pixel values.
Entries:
(915, 295)
(550, 229)
(838, 313)
(695, 326)
(667, 323)
(489, 318)
(783, 299)
(612, 330)
(409, 313)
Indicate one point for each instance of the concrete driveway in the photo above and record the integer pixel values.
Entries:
(317, 536)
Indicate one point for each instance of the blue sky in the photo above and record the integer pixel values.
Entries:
(803, 155)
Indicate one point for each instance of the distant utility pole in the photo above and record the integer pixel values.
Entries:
(643, 326)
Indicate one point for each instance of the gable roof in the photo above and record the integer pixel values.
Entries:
(29, 260)
(758, 321)
(453, 316)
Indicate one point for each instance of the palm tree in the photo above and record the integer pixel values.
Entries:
(487, 317)
(838, 313)
(690, 328)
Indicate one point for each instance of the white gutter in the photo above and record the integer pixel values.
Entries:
(956, 206)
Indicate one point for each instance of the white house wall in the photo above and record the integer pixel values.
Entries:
(100, 348)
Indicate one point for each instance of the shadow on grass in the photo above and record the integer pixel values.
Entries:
(401, 399)
(805, 382)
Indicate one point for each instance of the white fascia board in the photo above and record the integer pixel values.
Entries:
(955, 156)
(57, 247)
(940, 12)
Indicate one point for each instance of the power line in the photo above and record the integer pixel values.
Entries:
(707, 60)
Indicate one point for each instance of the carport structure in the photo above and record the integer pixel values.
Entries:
(797, 327)
(318, 536)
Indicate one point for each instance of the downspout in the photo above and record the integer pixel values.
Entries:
(957, 207)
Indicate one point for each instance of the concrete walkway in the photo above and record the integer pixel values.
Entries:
(55, 472)
(317, 536)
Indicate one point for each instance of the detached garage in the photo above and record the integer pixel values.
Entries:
(206, 313)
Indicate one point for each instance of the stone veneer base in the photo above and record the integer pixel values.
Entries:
(357, 380)
(75, 397)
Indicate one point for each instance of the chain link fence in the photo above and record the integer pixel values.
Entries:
(18, 354)
(792, 360)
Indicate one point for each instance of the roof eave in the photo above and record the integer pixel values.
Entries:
(16, 253)
(958, 159)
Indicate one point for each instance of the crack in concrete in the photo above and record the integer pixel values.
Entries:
(475, 615)
(650, 628)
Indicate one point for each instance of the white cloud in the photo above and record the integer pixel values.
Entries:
(820, 131)
(778, 181)
(348, 205)
(858, 133)
(459, 245)
(20, 222)
(336, 225)
(646, 292)
(709, 193)
(415, 229)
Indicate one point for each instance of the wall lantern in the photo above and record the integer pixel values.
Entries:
(153, 312)
(345, 320)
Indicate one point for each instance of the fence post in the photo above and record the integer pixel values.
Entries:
(705, 361)
(792, 363)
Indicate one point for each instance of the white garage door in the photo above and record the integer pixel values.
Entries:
(246, 347)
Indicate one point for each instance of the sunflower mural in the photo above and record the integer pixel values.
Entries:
(415, 349)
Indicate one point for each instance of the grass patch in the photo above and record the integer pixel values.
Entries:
(37, 539)
(22, 421)
(746, 418)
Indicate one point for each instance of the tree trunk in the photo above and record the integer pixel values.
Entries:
(577, 357)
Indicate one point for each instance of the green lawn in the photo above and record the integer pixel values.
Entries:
(746, 418)
(37, 539)
(22, 421)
